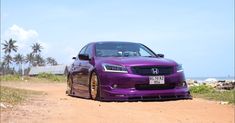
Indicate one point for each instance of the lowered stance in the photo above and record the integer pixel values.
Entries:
(119, 71)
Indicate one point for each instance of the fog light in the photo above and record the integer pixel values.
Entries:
(182, 84)
(115, 86)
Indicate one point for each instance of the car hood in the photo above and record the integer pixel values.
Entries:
(136, 61)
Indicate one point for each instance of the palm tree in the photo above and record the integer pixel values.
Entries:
(39, 59)
(8, 46)
(2, 67)
(37, 48)
(7, 60)
(30, 59)
(51, 61)
(36, 58)
(19, 59)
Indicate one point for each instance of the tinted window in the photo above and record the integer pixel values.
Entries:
(122, 49)
(83, 50)
(89, 50)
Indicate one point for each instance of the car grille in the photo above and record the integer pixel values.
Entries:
(155, 87)
(147, 70)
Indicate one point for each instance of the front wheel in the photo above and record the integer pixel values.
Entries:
(94, 87)
(69, 86)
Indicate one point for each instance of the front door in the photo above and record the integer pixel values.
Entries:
(81, 73)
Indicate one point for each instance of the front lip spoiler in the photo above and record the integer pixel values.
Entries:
(159, 98)
(152, 98)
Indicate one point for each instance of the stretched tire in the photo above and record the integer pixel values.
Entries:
(69, 86)
(94, 87)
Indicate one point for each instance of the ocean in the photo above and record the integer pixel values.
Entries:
(201, 79)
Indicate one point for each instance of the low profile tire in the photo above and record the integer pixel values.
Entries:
(69, 86)
(94, 87)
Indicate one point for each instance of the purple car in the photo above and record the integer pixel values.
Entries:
(122, 71)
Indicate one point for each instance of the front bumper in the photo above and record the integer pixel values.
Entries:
(125, 88)
(132, 94)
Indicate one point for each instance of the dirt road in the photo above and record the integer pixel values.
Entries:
(56, 107)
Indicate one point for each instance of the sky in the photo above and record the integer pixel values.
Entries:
(196, 33)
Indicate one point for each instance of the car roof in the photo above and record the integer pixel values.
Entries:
(113, 42)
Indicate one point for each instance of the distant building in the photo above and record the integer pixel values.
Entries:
(57, 70)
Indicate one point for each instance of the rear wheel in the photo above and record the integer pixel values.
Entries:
(69, 86)
(94, 87)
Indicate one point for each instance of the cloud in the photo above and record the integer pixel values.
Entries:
(25, 38)
(20, 33)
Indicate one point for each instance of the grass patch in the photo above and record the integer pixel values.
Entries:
(207, 92)
(51, 77)
(14, 96)
(42, 77)
(10, 77)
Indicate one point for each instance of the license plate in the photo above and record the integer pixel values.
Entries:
(156, 80)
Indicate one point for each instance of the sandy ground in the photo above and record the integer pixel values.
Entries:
(56, 107)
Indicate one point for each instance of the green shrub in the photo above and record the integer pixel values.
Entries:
(15, 77)
(227, 95)
(201, 89)
(207, 92)
(46, 76)
(52, 77)
(10, 77)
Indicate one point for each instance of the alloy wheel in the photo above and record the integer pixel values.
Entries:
(69, 86)
(94, 86)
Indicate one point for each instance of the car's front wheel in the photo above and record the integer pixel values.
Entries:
(69, 85)
(94, 87)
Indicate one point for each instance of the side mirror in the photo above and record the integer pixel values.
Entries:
(160, 55)
(84, 57)
(74, 58)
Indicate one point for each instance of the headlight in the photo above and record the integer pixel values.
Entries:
(114, 68)
(179, 68)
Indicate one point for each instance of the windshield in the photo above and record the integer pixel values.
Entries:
(122, 49)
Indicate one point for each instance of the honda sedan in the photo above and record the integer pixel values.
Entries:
(120, 71)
